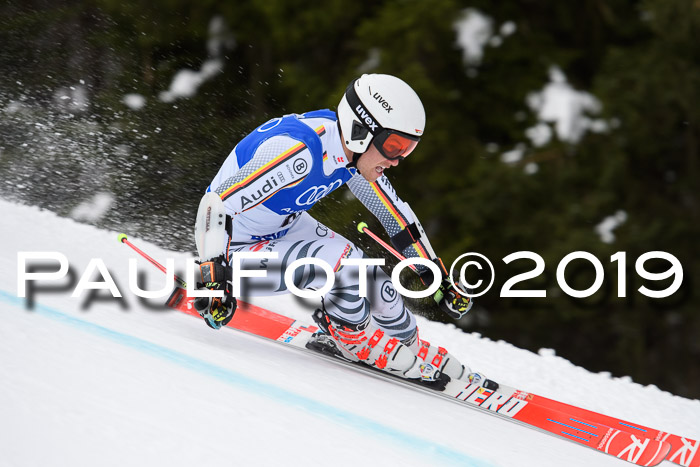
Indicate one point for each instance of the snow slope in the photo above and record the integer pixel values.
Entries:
(115, 383)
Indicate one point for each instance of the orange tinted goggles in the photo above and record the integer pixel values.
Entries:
(395, 145)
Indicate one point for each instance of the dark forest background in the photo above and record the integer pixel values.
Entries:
(66, 134)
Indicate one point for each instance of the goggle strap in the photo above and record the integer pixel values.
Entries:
(363, 115)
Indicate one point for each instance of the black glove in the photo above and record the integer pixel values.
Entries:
(216, 275)
(452, 301)
(449, 299)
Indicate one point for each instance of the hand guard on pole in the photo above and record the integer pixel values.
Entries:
(216, 275)
(452, 301)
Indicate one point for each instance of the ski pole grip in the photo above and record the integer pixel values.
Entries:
(122, 238)
(362, 226)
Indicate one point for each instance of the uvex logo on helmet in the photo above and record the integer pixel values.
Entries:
(383, 102)
(365, 97)
(364, 115)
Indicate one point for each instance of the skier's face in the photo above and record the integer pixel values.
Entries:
(372, 164)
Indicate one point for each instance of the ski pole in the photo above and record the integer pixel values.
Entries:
(123, 239)
(364, 228)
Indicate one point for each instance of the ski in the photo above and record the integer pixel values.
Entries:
(684, 451)
(505, 402)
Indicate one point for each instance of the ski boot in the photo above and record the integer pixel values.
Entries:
(365, 343)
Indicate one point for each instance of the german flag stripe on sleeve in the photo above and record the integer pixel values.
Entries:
(400, 219)
(264, 170)
(268, 167)
(420, 250)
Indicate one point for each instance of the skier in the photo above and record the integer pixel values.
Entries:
(280, 171)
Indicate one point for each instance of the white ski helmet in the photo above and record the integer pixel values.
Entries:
(382, 108)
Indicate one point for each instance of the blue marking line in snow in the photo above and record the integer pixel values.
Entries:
(438, 453)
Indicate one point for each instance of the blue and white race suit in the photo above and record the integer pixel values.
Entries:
(268, 182)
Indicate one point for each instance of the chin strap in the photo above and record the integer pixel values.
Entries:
(355, 158)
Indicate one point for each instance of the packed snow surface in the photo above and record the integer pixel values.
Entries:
(113, 383)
